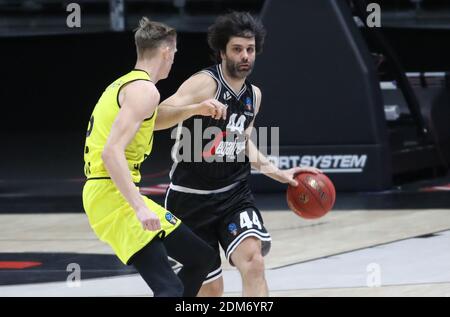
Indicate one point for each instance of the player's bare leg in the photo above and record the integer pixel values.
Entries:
(249, 261)
(212, 289)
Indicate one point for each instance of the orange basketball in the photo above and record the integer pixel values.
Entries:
(313, 197)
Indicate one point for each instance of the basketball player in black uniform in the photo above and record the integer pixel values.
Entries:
(213, 154)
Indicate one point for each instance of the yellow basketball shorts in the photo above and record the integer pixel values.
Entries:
(115, 222)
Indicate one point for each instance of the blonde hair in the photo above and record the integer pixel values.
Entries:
(150, 34)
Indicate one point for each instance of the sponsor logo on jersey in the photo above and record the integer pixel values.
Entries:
(226, 95)
(230, 149)
(226, 148)
(229, 143)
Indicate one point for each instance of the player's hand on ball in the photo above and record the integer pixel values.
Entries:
(306, 169)
(290, 174)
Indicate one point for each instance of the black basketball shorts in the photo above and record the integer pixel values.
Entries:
(220, 218)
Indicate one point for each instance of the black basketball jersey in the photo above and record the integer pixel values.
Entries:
(209, 154)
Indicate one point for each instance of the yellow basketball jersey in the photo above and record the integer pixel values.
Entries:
(99, 127)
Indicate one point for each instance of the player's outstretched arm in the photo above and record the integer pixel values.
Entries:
(262, 164)
(194, 97)
(138, 101)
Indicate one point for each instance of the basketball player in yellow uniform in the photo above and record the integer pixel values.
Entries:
(119, 138)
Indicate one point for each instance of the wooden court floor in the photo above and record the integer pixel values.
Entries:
(295, 241)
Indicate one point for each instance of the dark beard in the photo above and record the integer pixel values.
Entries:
(234, 72)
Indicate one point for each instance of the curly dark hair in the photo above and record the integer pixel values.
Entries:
(240, 24)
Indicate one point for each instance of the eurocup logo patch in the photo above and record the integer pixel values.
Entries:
(171, 218)
(248, 103)
(232, 228)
